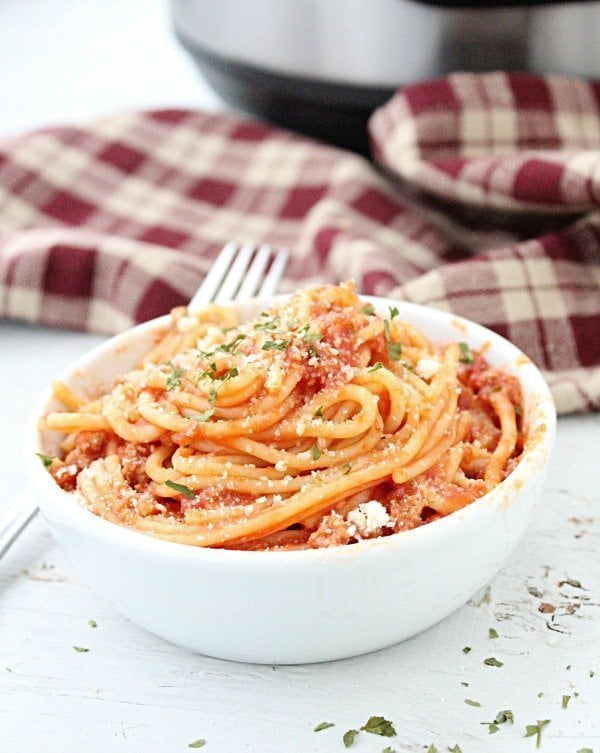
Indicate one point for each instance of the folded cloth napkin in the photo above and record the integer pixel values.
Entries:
(113, 222)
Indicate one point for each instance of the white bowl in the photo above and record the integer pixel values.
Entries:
(309, 605)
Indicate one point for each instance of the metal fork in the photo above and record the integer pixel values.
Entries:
(239, 272)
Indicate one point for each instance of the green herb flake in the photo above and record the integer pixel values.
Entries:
(492, 662)
(464, 684)
(455, 749)
(493, 728)
(323, 725)
(465, 353)
(275, 345)
(518, 410)
(229, 374)
(565, 701)
(585, 750)
(81, 649)
(349, 737)
(46, 459)
(393, 312)
(471, 702)
(591, 672)
(232, 346)
(312, 337)
(92, 623)
(368, 309)
(267, 326)
(394, 351)
(536, 729)
(319, 412)
(389, 749)
(174, 379)
(568, 666)
(376, 366)
(181, 488)
(204, 416)
(492, 633)
(8, 669)
(504, 716)
(199, 743)
(316, 452)
(431, 749)
(377, 725)
(540, 695)
(467, 650)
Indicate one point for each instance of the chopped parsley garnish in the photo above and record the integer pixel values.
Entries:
(518, 410)
(492, 728)
(348, 468)
(492, 662)
(472, 703)
(467, 650)
(377, 725)
(181, 488)
(46, 459)
(267, 326)
(205, 416)
(232, 346)
(199, 743)
(565, 701)
(312, 337)
(465, 353)
(229, 374)
(275, 345)
(319, 412)
(591, 672)
(81, 649)
(349, 737)
(394, 349)
(536, 729)
(393, 312)
(585, 750)
(376, 366)
(323, 725)
(92, 623)
(174, 379)
(492, 633)
(316, 452)
(389, 749)
(464, 684)
(368, 309)
(455, 749)
(432, 749)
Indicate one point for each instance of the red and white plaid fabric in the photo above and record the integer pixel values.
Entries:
(116, 221)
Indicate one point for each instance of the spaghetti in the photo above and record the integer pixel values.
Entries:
(319, 423)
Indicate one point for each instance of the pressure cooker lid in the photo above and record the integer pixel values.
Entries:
(497, 3)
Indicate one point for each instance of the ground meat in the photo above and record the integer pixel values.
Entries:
(64, 475)
(332, 531)
(483, 379)
(404, 505)
(89, 446)
(133, 461)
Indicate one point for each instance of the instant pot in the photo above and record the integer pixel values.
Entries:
(322, 66)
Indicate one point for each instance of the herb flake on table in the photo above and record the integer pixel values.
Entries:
(536, 729)
(174, 379)
(323, 725)
(455, 749)
(368, 309)
(199, 743)
(492, 633)
(349, 737)
(565, 701)
(492, 728)
(389, 749)
(467, 650)
(92, 623)
(491, 661)
(181, 488)
(585, 750)
(377, 725)
(81, 649)
(432, 749)
(316, 452)
(470, 702)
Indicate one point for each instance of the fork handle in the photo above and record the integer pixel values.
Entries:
(15, 518)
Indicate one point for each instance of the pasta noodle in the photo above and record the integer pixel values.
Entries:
(319, 423)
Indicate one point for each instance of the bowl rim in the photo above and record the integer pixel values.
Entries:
(532, 463)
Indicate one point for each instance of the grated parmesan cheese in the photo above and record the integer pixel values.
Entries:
(369, 518)
(427, 367)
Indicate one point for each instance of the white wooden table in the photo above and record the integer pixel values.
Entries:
(134, 692)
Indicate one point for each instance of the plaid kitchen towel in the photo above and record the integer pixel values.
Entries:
(116, 221)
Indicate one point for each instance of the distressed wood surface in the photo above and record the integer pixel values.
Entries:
(134, 692)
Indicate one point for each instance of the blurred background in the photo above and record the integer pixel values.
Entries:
(68, 60)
